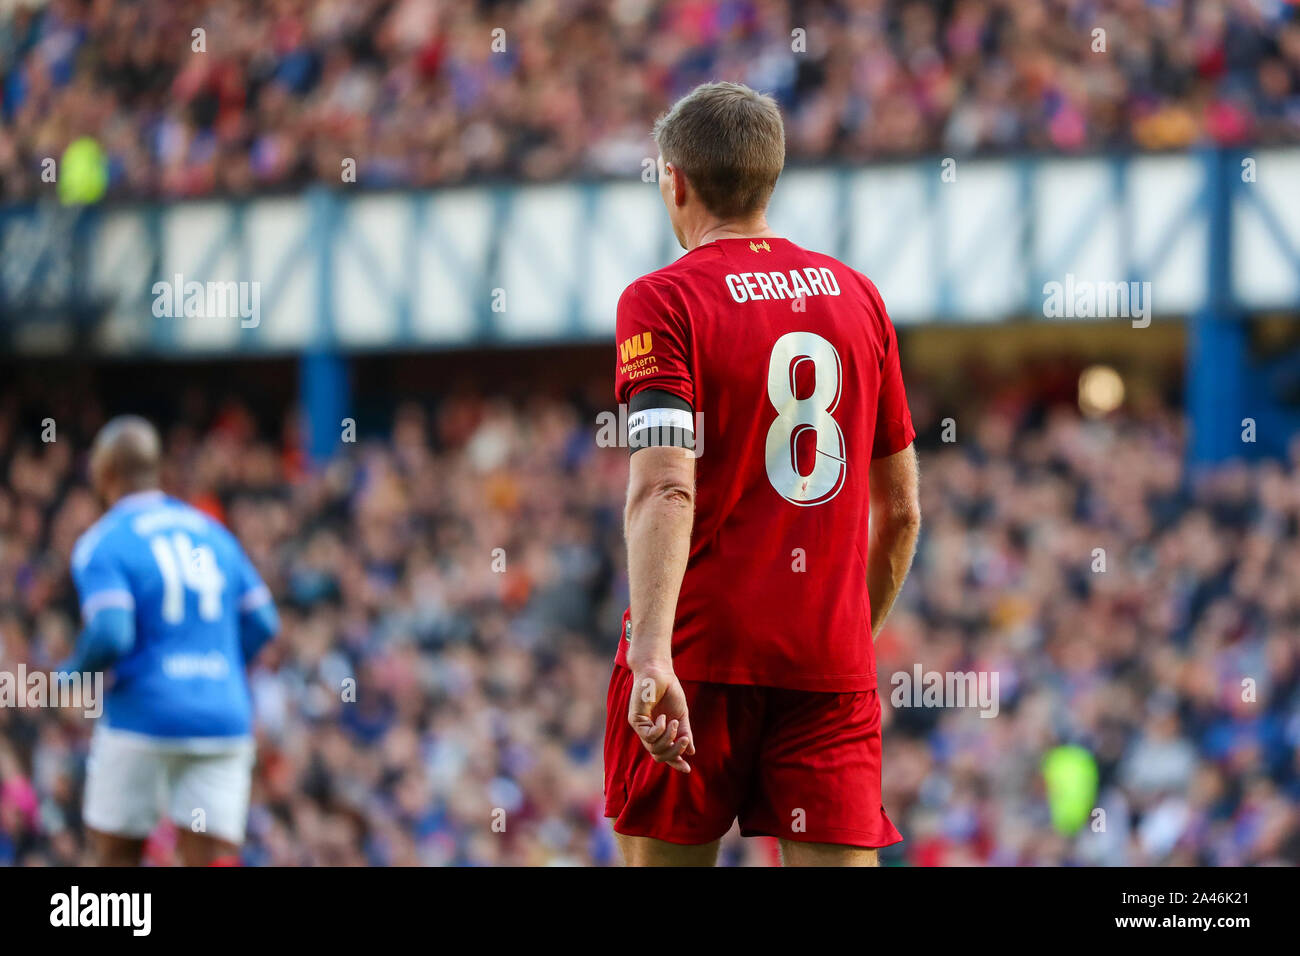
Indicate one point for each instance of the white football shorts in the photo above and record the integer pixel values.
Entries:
(201, 784)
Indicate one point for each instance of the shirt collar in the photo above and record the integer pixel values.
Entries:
(140, 499)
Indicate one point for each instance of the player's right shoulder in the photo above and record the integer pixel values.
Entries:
(653, 286)
(663, 297)
(651, 302)
(682, 273)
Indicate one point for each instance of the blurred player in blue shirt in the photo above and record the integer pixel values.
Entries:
(174, 611)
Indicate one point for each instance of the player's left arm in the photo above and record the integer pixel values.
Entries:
(895, 526)
(107, 608)
(894, 482)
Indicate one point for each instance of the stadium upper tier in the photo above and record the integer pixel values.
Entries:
(1211, 236)
(1119, 238)
(216, 98)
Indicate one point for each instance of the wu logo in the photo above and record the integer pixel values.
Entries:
(633, 347)
(755, 246)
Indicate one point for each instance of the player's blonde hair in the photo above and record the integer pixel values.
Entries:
(729, 141)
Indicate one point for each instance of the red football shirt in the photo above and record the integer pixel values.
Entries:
(791, 365)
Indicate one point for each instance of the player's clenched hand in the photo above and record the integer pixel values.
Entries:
(657, 712)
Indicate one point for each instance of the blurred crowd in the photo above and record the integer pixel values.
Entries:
(196, 97)
(451, 587)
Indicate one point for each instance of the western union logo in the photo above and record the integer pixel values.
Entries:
(636, 346)
(755, 246)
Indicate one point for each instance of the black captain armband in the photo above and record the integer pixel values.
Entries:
(657, 417)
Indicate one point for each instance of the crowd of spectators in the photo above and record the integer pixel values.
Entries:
(451, 587)
(202, 97)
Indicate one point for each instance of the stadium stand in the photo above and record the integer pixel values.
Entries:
(474, 685)
(283, 90)
(480, 688)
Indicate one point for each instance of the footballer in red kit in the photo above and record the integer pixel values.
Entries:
(766, 417)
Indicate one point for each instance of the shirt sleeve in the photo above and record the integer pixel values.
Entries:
(258, 619)
(894, 430)
(252, 593)
(653, 345)
(100, 578)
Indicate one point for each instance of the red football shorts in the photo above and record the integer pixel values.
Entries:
(798, 765)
